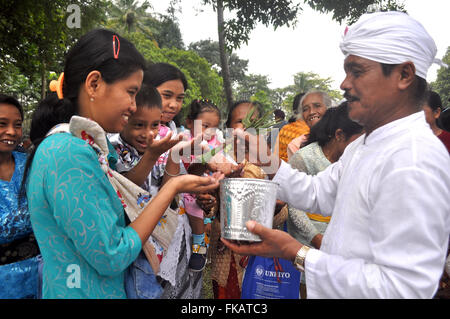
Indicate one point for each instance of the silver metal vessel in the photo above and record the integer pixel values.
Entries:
(244, 199)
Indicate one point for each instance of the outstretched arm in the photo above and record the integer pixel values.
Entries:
(147, 220)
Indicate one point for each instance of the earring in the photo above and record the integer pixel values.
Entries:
(92, 99)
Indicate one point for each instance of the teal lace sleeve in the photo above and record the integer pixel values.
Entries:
(78, 220)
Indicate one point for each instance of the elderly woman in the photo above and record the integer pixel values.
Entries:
(312, 107)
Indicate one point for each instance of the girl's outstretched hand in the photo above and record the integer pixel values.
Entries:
(197, 184)
(185, 149)
(158, 147)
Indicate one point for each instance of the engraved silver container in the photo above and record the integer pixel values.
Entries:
(244, 199)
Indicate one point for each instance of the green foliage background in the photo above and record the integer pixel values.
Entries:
(442, 83)
(35, 37)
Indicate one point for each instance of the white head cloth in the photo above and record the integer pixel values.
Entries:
(392, 38)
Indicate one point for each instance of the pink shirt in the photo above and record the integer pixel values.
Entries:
(189, 200)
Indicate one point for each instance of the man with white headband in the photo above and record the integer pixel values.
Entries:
(388, 235)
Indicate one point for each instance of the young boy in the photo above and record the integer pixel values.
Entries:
(143, 157)
(146, 160)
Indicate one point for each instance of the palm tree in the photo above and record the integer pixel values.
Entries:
(130, 16)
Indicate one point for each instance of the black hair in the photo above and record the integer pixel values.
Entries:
(421, 85)
(434, 101)
(295, 105)
(7, 99)
(296, 102)
(279, 113)
(334, 118)
(159, 73)
(444, 120)
(199, 106)
(93, 51)
(256, 104)
(177, 120)
(149, 97)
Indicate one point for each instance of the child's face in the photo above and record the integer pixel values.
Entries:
(10, 127)
(140, 124)
(209, 121)
(239, 113)
(172, 95)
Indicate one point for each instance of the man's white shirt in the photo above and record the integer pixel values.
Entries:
(388, 196)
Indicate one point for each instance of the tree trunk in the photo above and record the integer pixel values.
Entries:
(224, 56)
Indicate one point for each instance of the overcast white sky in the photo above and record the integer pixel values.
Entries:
(313, 46)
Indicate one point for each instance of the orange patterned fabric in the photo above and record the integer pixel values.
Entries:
(288, 133)
(232, 290)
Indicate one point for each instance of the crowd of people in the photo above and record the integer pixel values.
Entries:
(113, 199)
